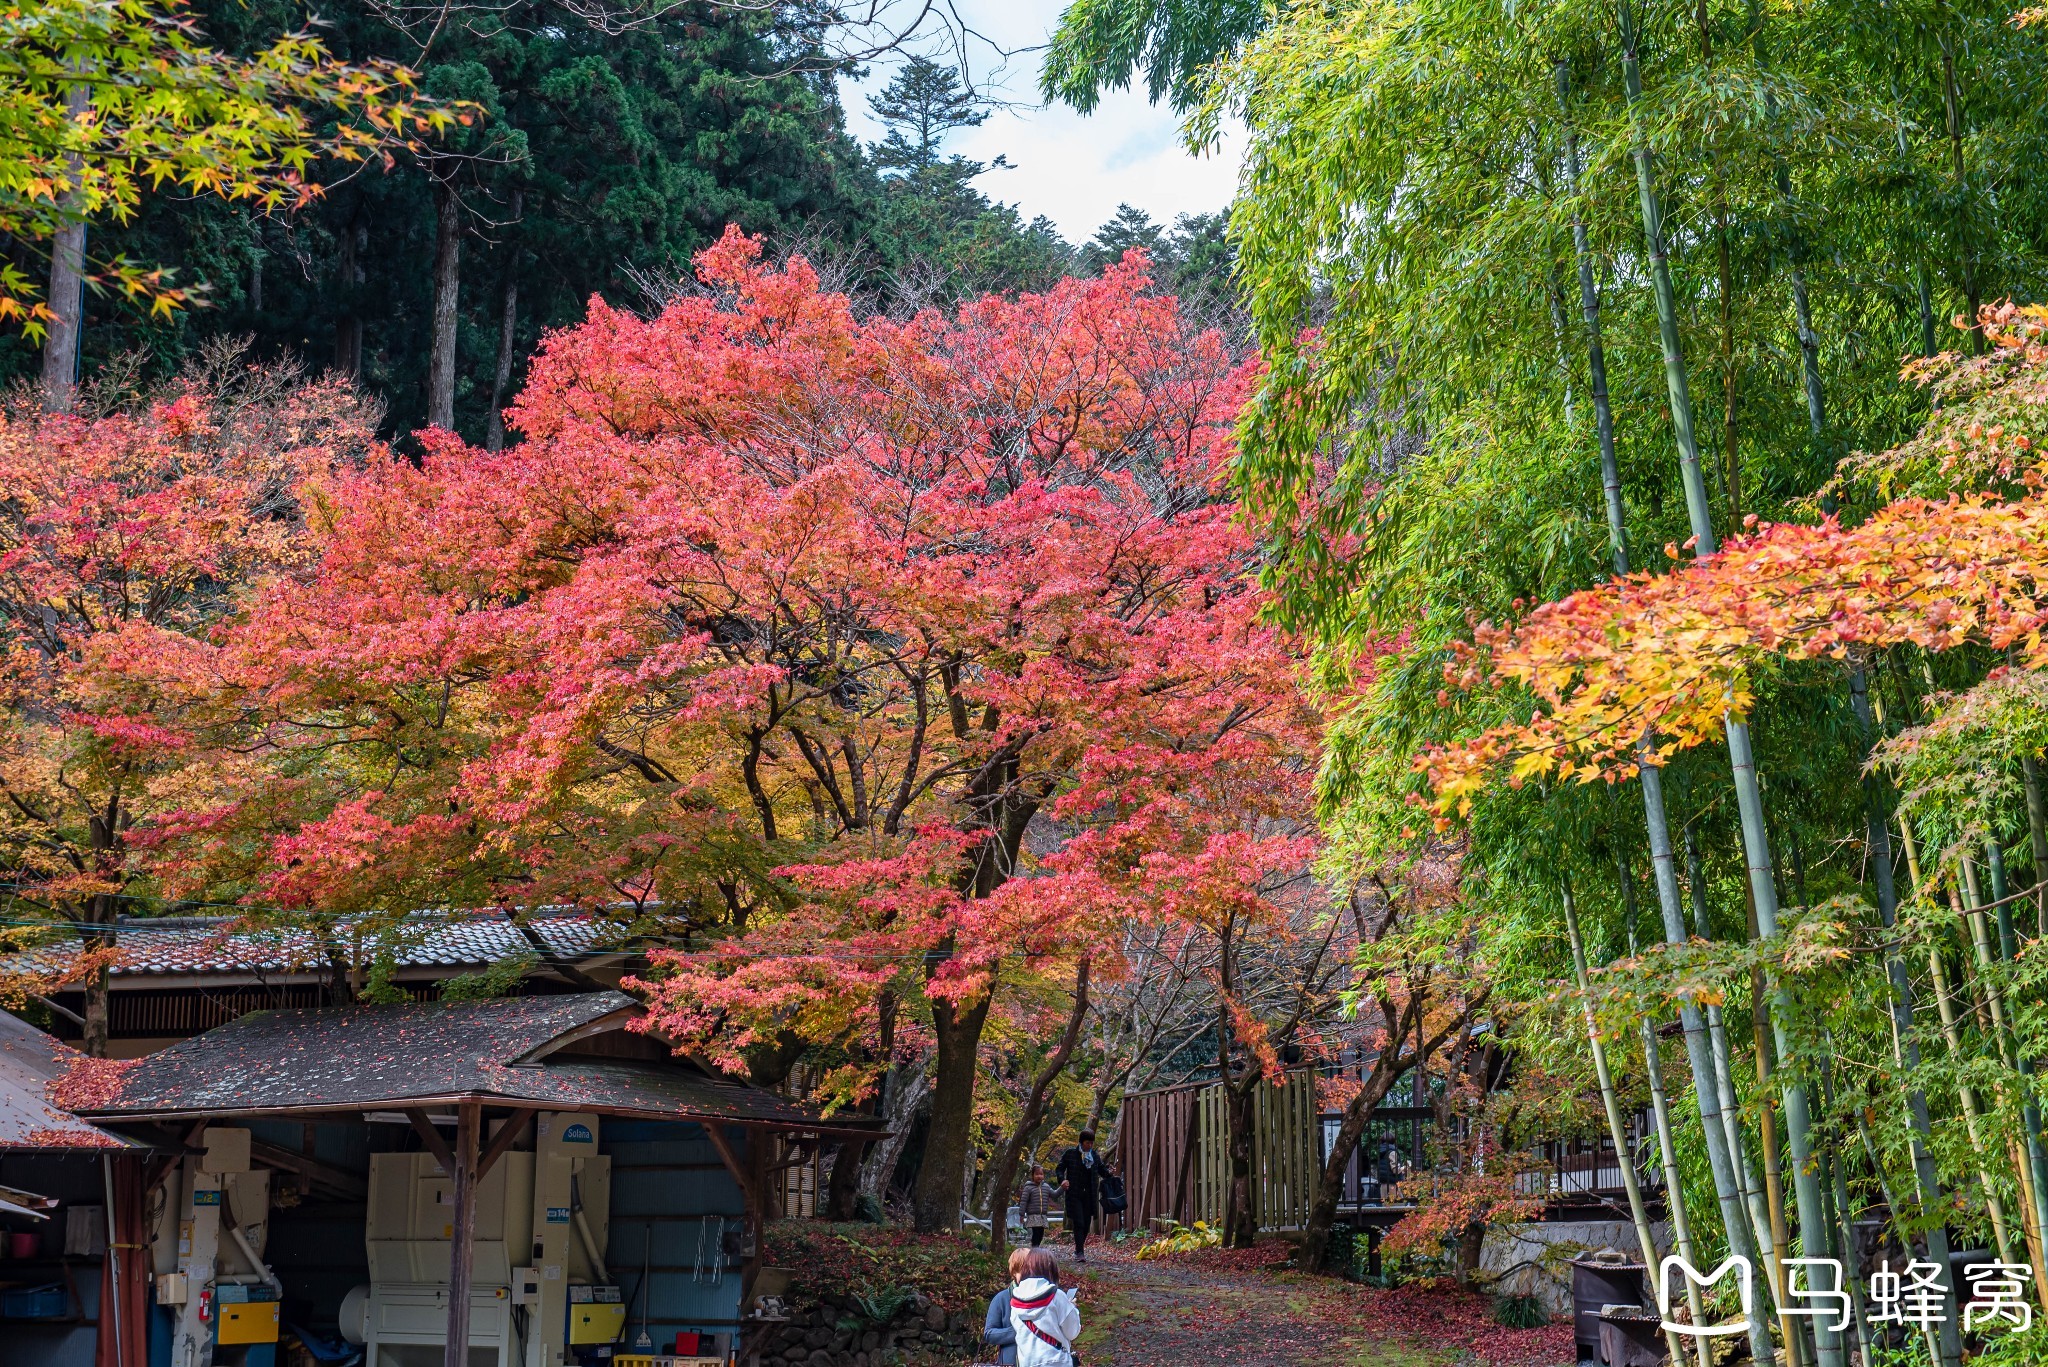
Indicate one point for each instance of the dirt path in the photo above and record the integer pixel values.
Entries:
(1237, 1310)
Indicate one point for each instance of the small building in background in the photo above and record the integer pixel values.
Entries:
(59, 1179)
(177, 976)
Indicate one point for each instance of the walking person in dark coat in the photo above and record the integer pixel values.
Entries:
(1080, 1172)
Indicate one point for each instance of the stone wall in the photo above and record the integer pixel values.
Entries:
(1529, 1259)
(842, 1331)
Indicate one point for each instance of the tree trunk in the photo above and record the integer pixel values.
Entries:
(447, 291)
(1240, 1217)
(2037, 838)
(508, 327)
(904, 1089)
(1386, 1071)
(842, 1189)
(62, 343)
(1596, 351)
(1240, 1211)
(1952, 116)
(1675, 381)
(348, 322)
(1698, 1048)
(1471, 1243)
(935, 1202)
(1003, 1175)
(96, 933)
(1795, 256)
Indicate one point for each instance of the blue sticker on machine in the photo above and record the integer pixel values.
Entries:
(558, 1215)
(577, 1134)
(206, 1198)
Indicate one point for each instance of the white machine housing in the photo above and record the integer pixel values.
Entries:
(542, 1218)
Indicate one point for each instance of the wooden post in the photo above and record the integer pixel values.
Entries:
(469, 1118)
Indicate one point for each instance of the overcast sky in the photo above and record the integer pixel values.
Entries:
(1073, 170)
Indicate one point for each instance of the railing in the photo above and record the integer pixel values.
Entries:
(1394, 1151)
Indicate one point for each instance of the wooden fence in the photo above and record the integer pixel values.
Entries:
(1174, 1151)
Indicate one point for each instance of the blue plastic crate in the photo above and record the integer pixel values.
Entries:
(35, 1303)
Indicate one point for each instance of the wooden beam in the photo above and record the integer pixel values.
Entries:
(342, 1182)
(468, 1120)
(431, 1137)
(731, 1161)
(508, 1134)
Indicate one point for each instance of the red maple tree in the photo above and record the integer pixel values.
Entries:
(864, 659)
(125, 538)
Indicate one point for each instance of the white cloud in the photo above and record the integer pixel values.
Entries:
(1072, 169)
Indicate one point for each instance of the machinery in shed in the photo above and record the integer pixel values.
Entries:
(540, 1291)
(599, 1201)
(206, 1249)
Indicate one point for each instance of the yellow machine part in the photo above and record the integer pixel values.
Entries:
(248, 1322)
(596, 1323)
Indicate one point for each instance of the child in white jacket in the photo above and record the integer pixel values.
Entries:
(1045, 1317)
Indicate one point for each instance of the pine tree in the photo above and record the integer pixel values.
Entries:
(1130, 227)
(921, 105)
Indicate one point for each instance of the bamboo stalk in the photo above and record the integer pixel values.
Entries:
(2001, 1033)
(2033, 1171)
(1905, 1050)
(1973, 1113)
(1706, 1093)
(1742, 759)
(2037, 838)
(1757, 1213)
(1612, 1104)
(1674, 1190)
(1838, 1184)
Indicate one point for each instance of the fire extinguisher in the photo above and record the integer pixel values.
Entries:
(206, 1306)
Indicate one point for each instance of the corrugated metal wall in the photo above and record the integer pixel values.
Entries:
(671, 1197)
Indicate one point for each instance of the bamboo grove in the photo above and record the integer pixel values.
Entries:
(1642, 403)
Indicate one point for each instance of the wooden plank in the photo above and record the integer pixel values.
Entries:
(748, 1191)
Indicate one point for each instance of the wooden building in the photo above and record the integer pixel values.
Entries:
(175, 977)
(529, 1179)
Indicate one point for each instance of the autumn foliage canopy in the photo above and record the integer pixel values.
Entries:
(799, 636)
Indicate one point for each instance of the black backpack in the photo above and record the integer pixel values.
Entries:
(1113, 1194)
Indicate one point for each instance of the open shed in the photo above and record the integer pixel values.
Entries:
(526, 1177)
(59, 1178)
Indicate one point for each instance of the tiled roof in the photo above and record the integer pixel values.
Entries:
(363, 1058)
(211, 945)
(29, 1062)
